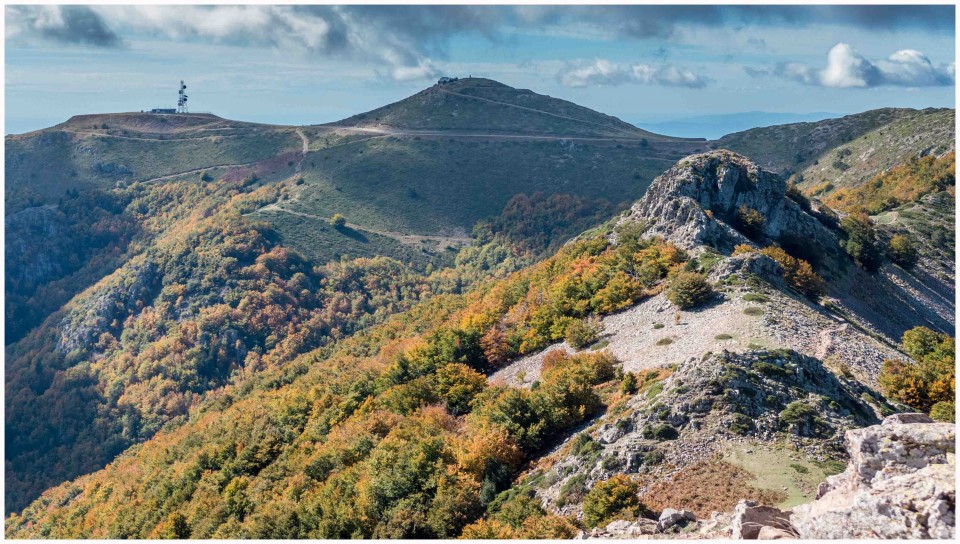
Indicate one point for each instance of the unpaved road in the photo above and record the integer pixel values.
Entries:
(408, 239)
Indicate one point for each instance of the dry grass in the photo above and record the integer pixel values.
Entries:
(707, 486)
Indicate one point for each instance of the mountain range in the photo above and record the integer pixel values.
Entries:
(478, 311)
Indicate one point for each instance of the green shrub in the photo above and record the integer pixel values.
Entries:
(741, 424)
(753, 310)
(755, 297)
(799, 468)
(664, 341)
(797, 413)
(903, 251)
(689, 289)
(663, 431)
(338, 220)
(611, 462)
(614, 497)
(944, 411)
(831, 467)
(769, 369)
(861, 243)
(583, 332)
(750, 222)
(723, 336)
(629, 385)
(658, 325)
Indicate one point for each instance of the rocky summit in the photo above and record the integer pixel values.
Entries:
(702, 199)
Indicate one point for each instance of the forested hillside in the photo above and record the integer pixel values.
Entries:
(159, 257)
(403, 430)
(217, 328)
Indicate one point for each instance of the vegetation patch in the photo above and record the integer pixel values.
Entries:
(612, 499)
(707, 486)
(929, 379)
(689, 289)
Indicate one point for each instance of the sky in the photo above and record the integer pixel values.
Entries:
(313, 64)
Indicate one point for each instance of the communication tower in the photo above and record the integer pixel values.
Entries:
(182, 101)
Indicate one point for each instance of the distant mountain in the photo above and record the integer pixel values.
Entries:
(478, 105)
(715, 126)
(847, 150)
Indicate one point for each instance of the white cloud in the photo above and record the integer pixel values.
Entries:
(847, 68)
(423, 71)
(602, 72)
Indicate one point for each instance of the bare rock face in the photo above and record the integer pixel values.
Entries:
(696, 203)
(900, 484)
(751, 519)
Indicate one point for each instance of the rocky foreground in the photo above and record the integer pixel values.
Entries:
(900, 484)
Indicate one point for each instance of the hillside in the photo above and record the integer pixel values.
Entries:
(478, 105)
(848, 150)
(153, 259)
(424, 426)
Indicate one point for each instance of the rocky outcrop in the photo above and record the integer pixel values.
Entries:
(900, 483)
(101, 309)
(751, 520)
(697, 201)
(758, 394)
(32, 253)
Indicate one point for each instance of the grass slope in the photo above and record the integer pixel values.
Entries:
(876, 140)
(477, 104)
(439, 185)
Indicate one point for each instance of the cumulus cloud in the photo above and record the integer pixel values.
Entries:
(405, 38)
(63, 24)
(847, 68)
(422, 28)
(399, 37)
(602, 72)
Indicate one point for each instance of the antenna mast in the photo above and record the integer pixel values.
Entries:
(182, 101)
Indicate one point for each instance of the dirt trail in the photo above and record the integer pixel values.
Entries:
(141, 138)
(826, 341)
(408, 239)
(557, 115)
(466, 134)
(195, 171)
(305, 150)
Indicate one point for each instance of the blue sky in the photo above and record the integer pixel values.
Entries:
(302, 65)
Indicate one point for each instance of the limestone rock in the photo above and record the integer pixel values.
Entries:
(772, 533)
(899, 484)
(749, 518)
(914, 417)
(696, 203)
(670, 517)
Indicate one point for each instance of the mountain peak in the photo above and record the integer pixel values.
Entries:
(484, 106)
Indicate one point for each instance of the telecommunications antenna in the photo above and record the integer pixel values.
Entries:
(182, 101)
